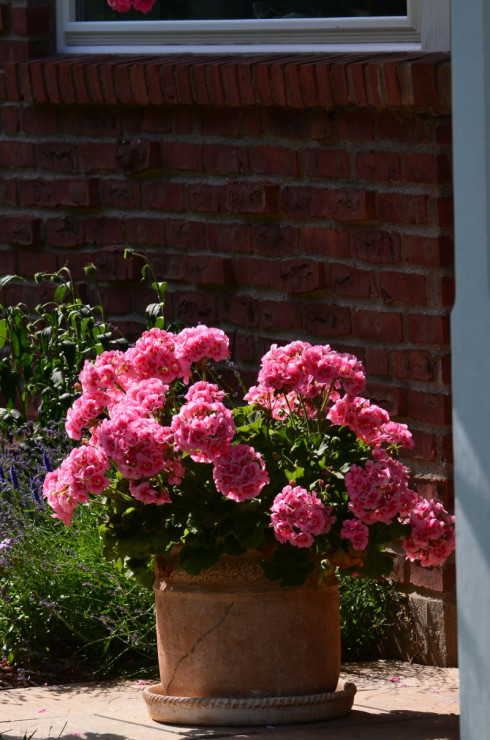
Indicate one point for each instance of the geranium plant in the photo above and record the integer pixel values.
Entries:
(303, 468)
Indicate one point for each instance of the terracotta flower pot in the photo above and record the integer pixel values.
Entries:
(235, 648)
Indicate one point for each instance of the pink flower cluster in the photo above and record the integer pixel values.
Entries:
(379, 491)
(239, 473)
(123, 394)
(370, 423)
(432, 535)
(122, 6)
(297, 516)
(81, 473)
(356, 532)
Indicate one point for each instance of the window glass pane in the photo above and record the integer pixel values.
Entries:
(168, 10)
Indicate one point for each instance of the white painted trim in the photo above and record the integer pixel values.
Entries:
(332, 34)
(435, 22)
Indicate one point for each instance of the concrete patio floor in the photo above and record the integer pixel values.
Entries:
(394, 701)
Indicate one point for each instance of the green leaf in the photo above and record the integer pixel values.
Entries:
(60, 292)
(196, 559)
(3, 332)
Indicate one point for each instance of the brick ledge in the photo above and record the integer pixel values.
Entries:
(378, 81)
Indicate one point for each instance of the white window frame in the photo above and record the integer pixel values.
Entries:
(425, 28)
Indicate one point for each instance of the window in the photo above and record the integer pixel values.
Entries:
(251, 25)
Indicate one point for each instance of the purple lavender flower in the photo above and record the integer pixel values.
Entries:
(35, 490)
(14, 478)
(47, 463)
(2, 474)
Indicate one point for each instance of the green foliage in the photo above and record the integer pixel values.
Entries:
(367, 608)
(65, 611)
(44, 348)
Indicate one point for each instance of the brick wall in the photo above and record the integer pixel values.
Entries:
(282, 196)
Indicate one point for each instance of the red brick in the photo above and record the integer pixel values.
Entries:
(445, 212)
(246, 84)
(357, 125)
(349, 281)
(348, 205)
(425, 446)
(374, 84)
(181, 156)
(377, 361)
(194, 308)
(424, 84)
(64, 232)
(244, 197)
(402, 128)
(229, 237)
(279, 316)
(95, 120)
(301, 276)
(393, 94)
(185, 234)
(428, 252)
(357, 82)
(166, 196)
(323, 73)
(74, 192)
(326, 163)
(157, 120)
(218, 121)
(323, 241)
(10, 119)
(36, 119)
(154, 82)
(340, 83)
(209, 270)
(402, 208)
(59, 157)
(239, 310)
(274, 160)
(229, 84)
(103, 230)
(262, 83)
(184, 86)
(144, 230)
(446, 368)
(275, 240)
(375, 165)
(120, 193)
(98, 155)
(322, 125)
(444, 133)
(251, 122)
(12, 92)
(414, 364)
(389, 397)
(225, 158)
(383, 327)
(25, 21)
(139, 85)
(39, 90)
(448, 291)
(199, 85)
(429, 407)
(403, 287)
(204, 198)
(8, 192)
(426, 168)
(439, 579)
(137, 155)
(381, 247)
(309, 86)
(16, 154)
(213, 76)
(169, 85)
(293, 86)
(426, 329)
(326, 321)
(66, 82)
(447, 451)
(302, 201)
(21, 230)
(244, 348)
(4, 25)
(289, 124)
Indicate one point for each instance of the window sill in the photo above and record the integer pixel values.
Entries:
(295, 80)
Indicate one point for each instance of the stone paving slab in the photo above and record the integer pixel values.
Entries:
(395, 701)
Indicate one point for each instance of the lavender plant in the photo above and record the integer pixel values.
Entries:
(64, 610)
